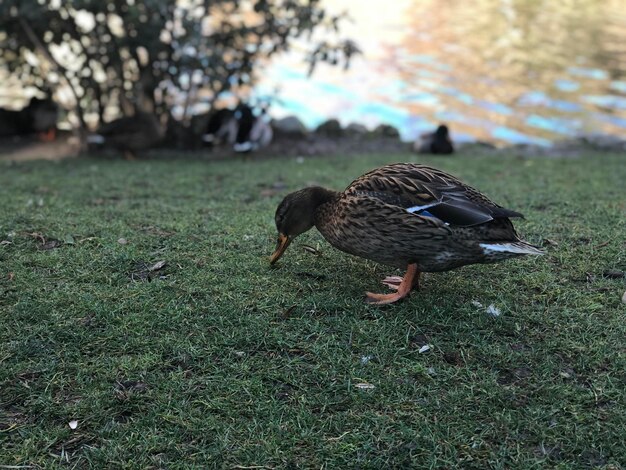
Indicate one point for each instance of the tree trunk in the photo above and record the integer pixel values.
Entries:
(46, 53)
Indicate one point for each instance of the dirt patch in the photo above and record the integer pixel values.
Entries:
(30, 148)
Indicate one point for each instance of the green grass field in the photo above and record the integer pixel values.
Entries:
(216, 360)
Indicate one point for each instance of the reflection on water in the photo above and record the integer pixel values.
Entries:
(507, 70)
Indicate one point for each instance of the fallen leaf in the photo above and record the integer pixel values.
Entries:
(613, 274)
(417, 341)
(549, 242)
(287, 313)
(131, 386)
(73, 424)
(38, 236)
(453, 357)
(11, 276)
(365, 386)
(50, 245)
(310, 249)
(156, 266)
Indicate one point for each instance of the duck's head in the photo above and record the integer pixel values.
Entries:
(296, 215)
(442, 131)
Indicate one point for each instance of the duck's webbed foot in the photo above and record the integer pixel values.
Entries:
(402, 286)
(393, 282)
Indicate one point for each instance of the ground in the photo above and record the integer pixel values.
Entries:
(214, 359)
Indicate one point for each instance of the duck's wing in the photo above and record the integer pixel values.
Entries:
(426, 191)
(124, 125)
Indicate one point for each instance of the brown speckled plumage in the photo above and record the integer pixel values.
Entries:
(405, 214)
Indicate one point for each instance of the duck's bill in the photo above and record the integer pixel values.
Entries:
(281, 246)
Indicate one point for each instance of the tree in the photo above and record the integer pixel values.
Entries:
(118, 54)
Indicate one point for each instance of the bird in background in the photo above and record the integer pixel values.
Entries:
(222, 127)
(254, 132)
(438, 142)
(407, 216)
(241, 128)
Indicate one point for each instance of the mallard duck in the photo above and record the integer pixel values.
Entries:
(437, 142)
(130, 134)
(407, 216)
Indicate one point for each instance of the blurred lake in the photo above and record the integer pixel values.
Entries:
(510, 71)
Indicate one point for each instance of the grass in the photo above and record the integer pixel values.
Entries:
(216, 360)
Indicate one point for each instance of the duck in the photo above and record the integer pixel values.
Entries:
(408, 216)
(130, 134)
(221, 128)
(438, 142)
(253, 132)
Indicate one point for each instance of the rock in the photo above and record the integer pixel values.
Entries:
(476, 146)
(385, 130)
(527, 150)
(289, 125)
(330, 128)
(601, 142)
(356, 129)
(604, 142)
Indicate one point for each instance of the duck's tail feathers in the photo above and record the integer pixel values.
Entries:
(514, 248)
(95, 139)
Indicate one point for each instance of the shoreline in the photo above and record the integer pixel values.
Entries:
(314, 144)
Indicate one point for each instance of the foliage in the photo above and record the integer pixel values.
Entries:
(217, 360)
(155, 53)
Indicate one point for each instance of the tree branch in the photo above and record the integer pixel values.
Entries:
(46, 53)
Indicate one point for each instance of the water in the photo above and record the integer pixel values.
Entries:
(510, 71)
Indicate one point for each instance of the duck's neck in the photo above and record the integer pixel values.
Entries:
(320, 196)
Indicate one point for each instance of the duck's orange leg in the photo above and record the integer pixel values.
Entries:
(393, 282)
(409, 281)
